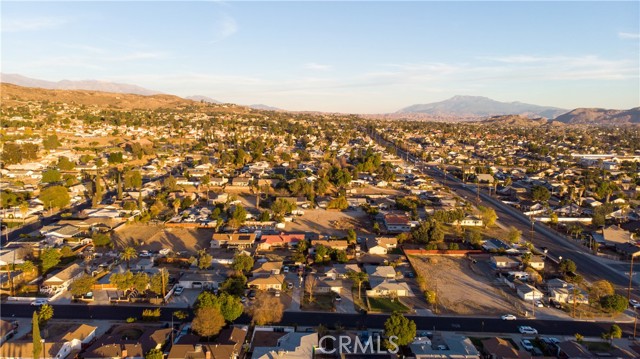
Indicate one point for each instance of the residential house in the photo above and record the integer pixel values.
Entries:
(469, 221)
(266, 269)
(274, 281)
(569, 295)
(233, 240)
(118, 346)
(384, 272)
(241, 181)
(444, 345)
(268, 241)
(395, 223)
(333, 244)
(12, 254)
(613, 235)
(328, 285)
(537, 262)
(504, 262)
(498, 348)
(24, 350)
(290, 345)
(228, 345)
(388, 288)
(64, 277)
(528, 293)
(573, 350)
(381, 245)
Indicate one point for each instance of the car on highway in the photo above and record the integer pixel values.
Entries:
(525, 329)
(634, 303)
(526, 343)
(508, 317)
(179, 290)
(39, 302)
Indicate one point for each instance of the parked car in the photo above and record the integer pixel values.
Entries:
(276, 293)
(179, 290)
(338, 298)
(285, 270)
(243, 299)
(525, 329)
(252, 294)
(40, 301)
(634, 303)
(539, 304)
(289, 285)
(526, 344)
(508, 317)
(144, 254)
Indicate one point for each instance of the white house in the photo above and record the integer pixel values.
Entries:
(385, 288)
(529, 293)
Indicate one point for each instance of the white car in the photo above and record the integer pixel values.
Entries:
(39, 302)
(539, 304)
(526, 344)
(164, 251)
(179, 290)
(634, 303)
(144, 254)
(508, 317)
(524, 329)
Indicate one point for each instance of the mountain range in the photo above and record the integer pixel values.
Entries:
(599, 116)
(90, 85)
(478, 106)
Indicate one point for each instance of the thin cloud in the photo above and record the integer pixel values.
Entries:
(225, 27)
(317, 67)
(32, 24)
(629, 35)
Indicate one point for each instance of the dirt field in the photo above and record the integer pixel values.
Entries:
(155, 238)
(333, 223)
(460, 290)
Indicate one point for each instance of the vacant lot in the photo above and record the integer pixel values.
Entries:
(459, 289)
(333, 223)
(154, 238)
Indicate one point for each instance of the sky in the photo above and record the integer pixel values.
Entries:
(337, 56)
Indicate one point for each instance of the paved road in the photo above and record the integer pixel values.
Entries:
(358, 321)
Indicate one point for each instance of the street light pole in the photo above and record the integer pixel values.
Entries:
(630, 279)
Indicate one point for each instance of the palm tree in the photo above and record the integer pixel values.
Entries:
(128, 254)
(358, 278)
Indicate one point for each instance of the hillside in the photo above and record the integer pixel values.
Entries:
(477, 106)
(519, 121)
(13, 95)
(599, 116)
(90, 85)
(200, 98)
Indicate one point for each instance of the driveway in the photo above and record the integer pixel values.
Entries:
(346, 305)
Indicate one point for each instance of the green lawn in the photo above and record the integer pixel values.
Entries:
(321, 302)
(387, 305)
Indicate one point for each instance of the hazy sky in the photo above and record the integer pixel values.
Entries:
(365, 57)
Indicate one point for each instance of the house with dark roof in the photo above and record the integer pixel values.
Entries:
(228, 345)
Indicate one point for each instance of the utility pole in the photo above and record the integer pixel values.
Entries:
(630, 279)
(164, 292)
(635, 321)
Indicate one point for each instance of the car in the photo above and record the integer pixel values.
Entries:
(338, 298)
(555, 341)
(539, 304)
(634, 303)
(526, 343)
(508, 317)
(252, 294)
(243, 299)
(179, 290)
(410, 275)
(289, 285)
(285, 270)
(276, 293)
(39, 302)
(144, 254)
(525, 329)
(164, 251)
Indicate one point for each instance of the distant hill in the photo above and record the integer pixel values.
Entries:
(91, 85)
(200, 98)
(519, 121)
(599, 116)
(264, 107)
(478, 106)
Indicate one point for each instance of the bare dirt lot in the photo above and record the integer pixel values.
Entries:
(154, 238)
(333, 223)
(460, 290)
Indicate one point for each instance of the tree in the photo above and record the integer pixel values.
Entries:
(234, 285)
(128, 254)
(488, 216)
(351, 236)
(158, 282)
(358, 278)
(204, 259)
(615, 332)
(421, 233)
(64, 164)
(540, 194)
(614, 303)
(282, 206)
(341, 256)
(567, 266)
(97, 192)
(24, 209)
(402, 328)
(133, 179)
(310, 285)
(51, 142)
(208, 321)
(266, 309)
(230, 306)
(474, 237)
(45, 313)
(242, 262)
(55, 197)
(600, 289)
(154, 354)
(35, 335)
(49, 258)
(101, 240)
(28, 266)
(553, 218)
(66, 252)
(82, 285)
(339, 203)
(170, 183)
(514, 235)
